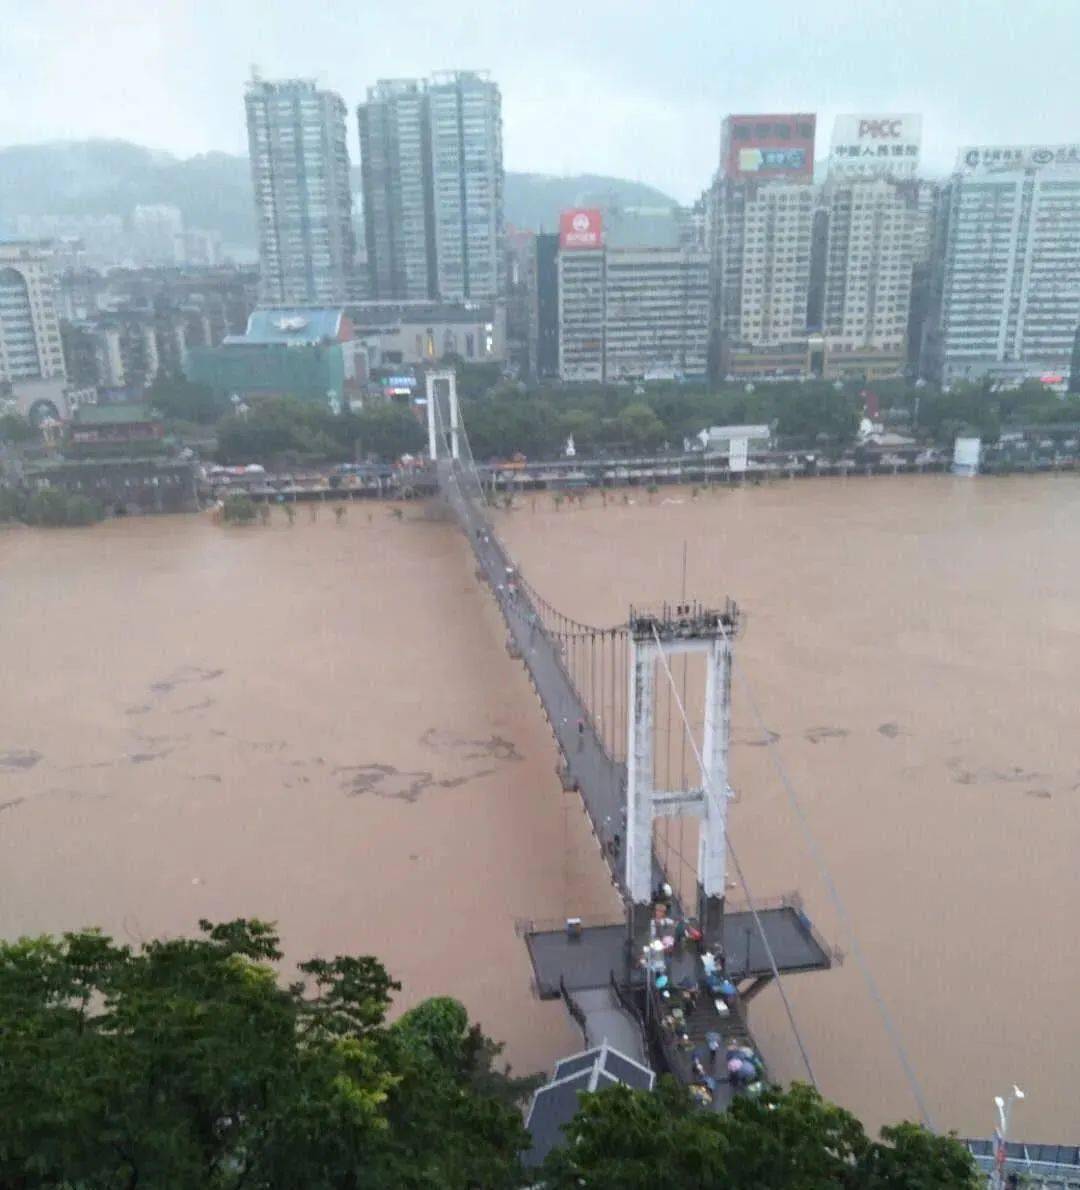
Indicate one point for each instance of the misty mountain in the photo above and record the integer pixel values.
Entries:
(213, 190)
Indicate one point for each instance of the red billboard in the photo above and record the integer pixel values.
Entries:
(581, 228)
(768, 148)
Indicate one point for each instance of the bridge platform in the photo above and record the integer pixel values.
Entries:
(589, 960)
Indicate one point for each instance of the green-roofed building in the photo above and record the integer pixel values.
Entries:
(304, 352)
(112, 431)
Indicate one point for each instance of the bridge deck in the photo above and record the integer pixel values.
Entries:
(600, 780)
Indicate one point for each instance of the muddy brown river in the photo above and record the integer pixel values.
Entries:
(320, 725)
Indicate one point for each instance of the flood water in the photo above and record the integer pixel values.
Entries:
(320, 725)
(915, 645)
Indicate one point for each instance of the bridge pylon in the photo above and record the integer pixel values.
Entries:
(655, 638)
(443, 415)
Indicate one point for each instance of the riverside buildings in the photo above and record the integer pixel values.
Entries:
(628, 313)
(870, 212)
(1006, 290)
(30, 347)
(300, 172)
(762, 224)
(431, 162)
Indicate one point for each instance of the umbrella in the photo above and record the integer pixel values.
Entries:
(734, 1066)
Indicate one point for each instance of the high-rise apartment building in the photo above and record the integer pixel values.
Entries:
(761, 221)
(395, 163)
(629, 313)
(467, 185)
(1007, 287)
(300, 172)
(761, 257)
(431, 160)
(868, 265)
(30, 347)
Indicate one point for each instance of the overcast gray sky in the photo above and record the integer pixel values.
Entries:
(635, 88)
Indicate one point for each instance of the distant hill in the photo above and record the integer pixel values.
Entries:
(534, 201)
(213, 190)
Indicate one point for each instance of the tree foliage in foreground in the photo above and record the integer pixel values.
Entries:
(186, 1064)
(794, 1140)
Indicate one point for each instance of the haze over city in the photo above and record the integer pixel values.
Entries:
(634, 90)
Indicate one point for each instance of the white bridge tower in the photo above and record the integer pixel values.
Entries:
(655, 638)
(443, 414)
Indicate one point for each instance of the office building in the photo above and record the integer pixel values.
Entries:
(1007, 286)
(395, 163)
(300, 173)
(628, 313)
(761, 224)
(30, 348)
(868, 267)
(467, 185)
(431, 162)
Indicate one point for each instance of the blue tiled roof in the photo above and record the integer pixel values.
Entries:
(286, 324)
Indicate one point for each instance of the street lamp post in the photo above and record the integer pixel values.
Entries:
(1001, 1133)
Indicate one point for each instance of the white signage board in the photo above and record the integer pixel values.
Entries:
(872, 146)
(738, 453)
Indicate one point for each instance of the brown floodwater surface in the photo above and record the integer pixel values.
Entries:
(915, 644)
(321, 726)
(318, 726)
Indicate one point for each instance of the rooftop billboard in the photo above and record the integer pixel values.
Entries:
(876, 145)
(581, 227)
(768, 148)
(989, 158)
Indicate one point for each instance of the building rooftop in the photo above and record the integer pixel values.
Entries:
(374, 314)
(554, 1106)
(291, 324)
(113, 415)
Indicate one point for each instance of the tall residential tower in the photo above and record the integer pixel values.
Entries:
(431, 161)
(300, 172)
(762, 225)
(395, 164)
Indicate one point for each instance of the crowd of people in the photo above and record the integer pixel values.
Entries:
(686, 972)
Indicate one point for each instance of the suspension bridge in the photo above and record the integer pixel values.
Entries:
(647, 759)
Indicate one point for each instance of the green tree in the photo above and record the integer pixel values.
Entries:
(795, 1140)
(638, 425)
(16, 429)
(288, 429)
(818, 413)
(181, 400)
(388, 432)
(55, 508)
(239, 509)
(187, 1064)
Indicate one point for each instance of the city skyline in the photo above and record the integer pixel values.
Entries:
(640, 98)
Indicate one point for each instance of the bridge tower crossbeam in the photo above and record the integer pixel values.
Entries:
(655, 638)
